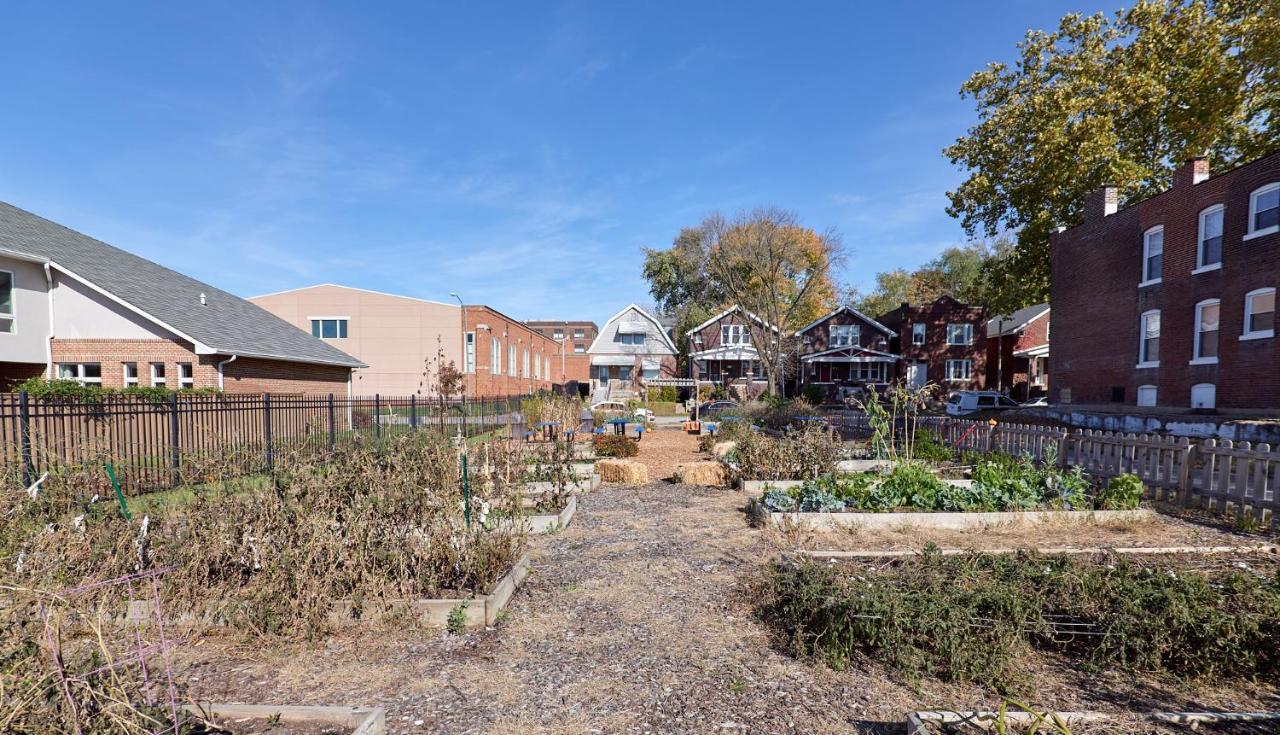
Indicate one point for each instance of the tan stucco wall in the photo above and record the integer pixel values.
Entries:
(28, 343)
(393, 335)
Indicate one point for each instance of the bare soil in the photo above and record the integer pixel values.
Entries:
(637, 619)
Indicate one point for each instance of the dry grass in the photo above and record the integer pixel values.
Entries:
(623, 471)
(701, 473)
(720, 449)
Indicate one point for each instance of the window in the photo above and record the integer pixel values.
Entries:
(1259, 314)
(495, 356)
(469, 360)
(735, 334)
(579, 347)
(959, 334)
(512, 365)
(537, 366)
(130, 374)
(1146, 395)
(1209, 254)
(1152, 256)
(631, 338)
(577, 334)
(1205, 350)
(524, 364)
(557, 335)
(84, 373)
(329, 327)
(1204, 395)
(917, 334)
(844, 335)
(186, 378)
(1264, 211)
(157, 374)
(868, 371)
(1149, 348)
(8, 324)
(959, 369)
(546, 368)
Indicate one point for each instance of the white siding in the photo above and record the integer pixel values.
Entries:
(28, 342)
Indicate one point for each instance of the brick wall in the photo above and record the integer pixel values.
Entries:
(12, 373)
(244, 375)
(509, 332)
(577, 366)
(1016, 369)
(1097, 302)
(935, 351)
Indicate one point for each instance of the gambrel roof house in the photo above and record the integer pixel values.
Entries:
(93, 312)
(632, 337)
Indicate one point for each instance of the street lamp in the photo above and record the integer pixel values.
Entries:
(465, 374)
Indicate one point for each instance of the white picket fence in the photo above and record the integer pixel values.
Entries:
(1238, 478)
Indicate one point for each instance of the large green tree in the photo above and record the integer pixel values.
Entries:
(959, 271)
(1120, 99)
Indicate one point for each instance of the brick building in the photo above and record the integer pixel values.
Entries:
(722, 349)
(943, 342)
(1018, 352)
(1170, 302)
(846, 347)
(75, 307)
(575, 337)
(507, 357)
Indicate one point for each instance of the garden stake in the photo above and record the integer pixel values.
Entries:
(124, 508)
(466, 492)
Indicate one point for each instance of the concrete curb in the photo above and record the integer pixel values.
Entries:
(361, 720)
(954, 521)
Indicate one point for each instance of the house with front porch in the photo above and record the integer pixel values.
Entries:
(722, 349)
(631, 347)
(845, 347)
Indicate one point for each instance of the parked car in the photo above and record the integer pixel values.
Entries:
(966, 402)
(712, 410)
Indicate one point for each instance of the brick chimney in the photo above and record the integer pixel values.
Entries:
(1101, 202)
(1191, 172)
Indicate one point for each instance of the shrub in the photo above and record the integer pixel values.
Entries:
(614, 445)
(978, 617)
(1123, 492)
(664, 394)
(929, 447)
(813, 394)
(796, 455)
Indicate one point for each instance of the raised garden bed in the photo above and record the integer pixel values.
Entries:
(304, 720)
(580, 484)
(1092, 723)
(545, 522)
(956, 520)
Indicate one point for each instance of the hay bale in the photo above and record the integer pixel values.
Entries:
(720, 449)
(701, 473)
(623, 471)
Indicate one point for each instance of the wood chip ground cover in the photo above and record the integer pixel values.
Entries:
(636, 619)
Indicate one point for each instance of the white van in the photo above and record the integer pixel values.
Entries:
(967, 401)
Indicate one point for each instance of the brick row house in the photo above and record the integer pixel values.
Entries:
(574, 337)
(943, 342)
(846, 347)
(1018, 353)
(75, 307)
(1170, 302)
(403, 340)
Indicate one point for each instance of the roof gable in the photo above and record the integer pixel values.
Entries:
(732, 309)
(850, 310)
(632, 308)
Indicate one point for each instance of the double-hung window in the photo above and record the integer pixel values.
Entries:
(1149, 346)
(1209, 252)
(917, 333)
(1152, 256)
(1264, 211)
(959, 369)
(631, 338)
(186, 377)
(8, 320)
(579, 348)
(1205, 350)
(157, 375)
(959, 334)
(84, 373)
(844, 335)
(1259, 314)
(469, 360)
(328, 327)
(130, 374)
(577, 334)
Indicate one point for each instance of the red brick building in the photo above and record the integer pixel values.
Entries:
(574, 338)
(943, 342)
(1171, 301)
(505, 356)
(846, 347)
(722, 349)
(1018, 352)
(77, 308)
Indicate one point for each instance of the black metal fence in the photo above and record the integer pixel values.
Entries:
(182, 439)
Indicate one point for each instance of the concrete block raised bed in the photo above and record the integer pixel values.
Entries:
(961, 521)
(756, 488)
(929, 723)
(350, 720)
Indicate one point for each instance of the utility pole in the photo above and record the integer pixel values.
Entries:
(466, 374)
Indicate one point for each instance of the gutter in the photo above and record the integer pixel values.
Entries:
(223, 364)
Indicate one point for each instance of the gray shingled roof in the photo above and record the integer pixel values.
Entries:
(1015, 321)
(227, 324)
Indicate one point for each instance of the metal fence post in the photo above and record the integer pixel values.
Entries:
(24, 421)
(332, 430)
(174, 453)
(266, 430)
(377, 415)
(413, 413)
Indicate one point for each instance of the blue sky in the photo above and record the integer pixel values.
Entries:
(521, 154)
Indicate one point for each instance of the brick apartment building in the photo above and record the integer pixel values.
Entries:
(575, 337)
(943, 342)
(77, 308)
(1170, 302)
(1018, 352)
(404, 340)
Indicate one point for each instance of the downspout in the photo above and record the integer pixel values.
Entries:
(48, 343)
(223, 364)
